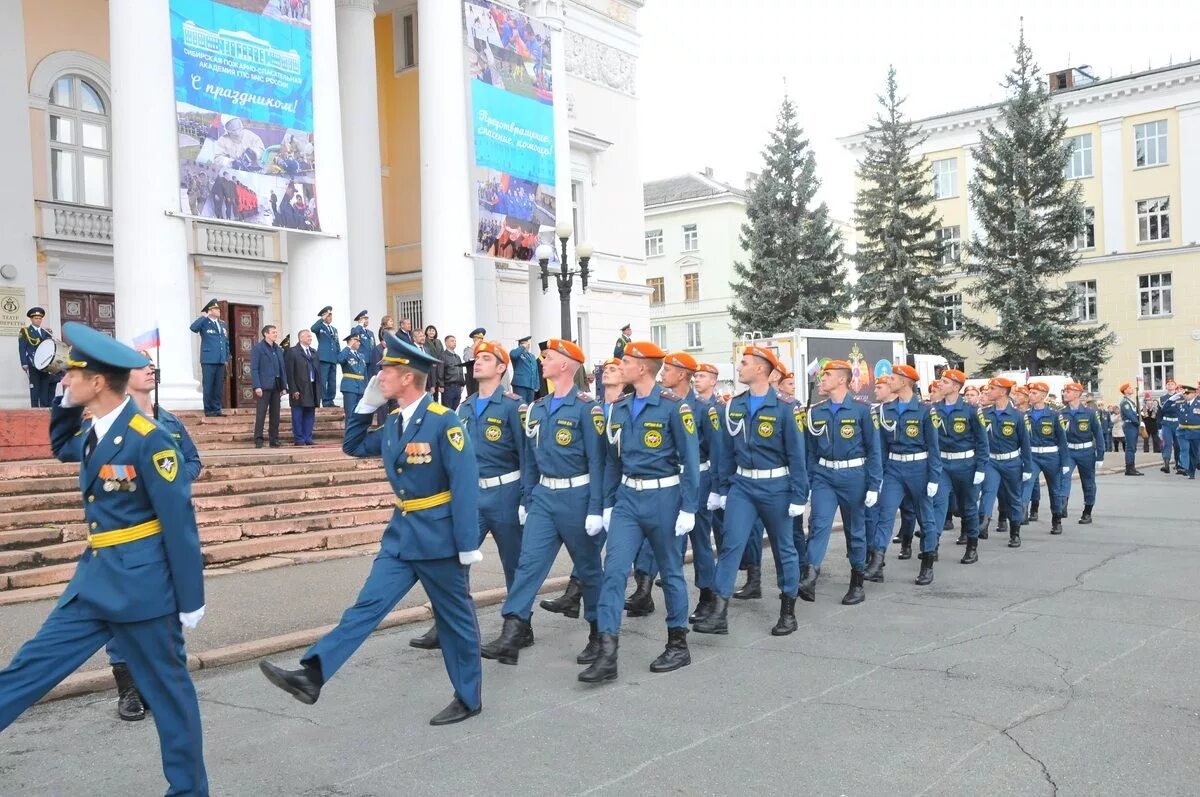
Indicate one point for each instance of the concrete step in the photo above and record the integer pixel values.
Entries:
(32, 537)
(214, 458)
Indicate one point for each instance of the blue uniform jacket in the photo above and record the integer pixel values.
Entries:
(910, 431)
(847, 433)
(214, 340)
(266, 366)
(962, 429)
(712, 441)
(366, 336)
(147, 578)
(1189, 418)
(66, 441)
(1046, 429)
(329, 345)
(1084, 426)
(430, 456)
(565, 444)
(525, 368)
(1129, 412)
(1168, 408)
(772, 438)
(29, 338)
(354, 371)
(1008, 431)
(498, 433)
(662, 442)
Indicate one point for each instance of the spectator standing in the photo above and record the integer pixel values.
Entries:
(452, 375)
(354, 369)
(468, 359)
(435, 348)
(1150, 419)
(405, 333)
(302, 374)
(1118, 428)
(267, 373)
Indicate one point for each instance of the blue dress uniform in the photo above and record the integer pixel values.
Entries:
(41, 384)
(1009, 460)
(1189, 434)
(328, 352)
(1085, 449)
(1130, 422)
(354, 377)
(1168, 422)
(1048, 446)
(214, 354)
(525, 372)
(142, 568)
(964, 450)
(367, 345)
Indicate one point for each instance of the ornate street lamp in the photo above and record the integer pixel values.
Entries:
(564, 277)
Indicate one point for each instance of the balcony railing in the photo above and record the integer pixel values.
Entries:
(81, 223)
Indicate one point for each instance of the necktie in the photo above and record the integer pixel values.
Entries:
(89, 445)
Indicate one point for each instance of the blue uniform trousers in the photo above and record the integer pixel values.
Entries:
(327, 382)
(843, 489)
(213, 375)
(799, 540)
(156, 658)
(349, 402)
(1131, 442)
(637, 516)
(526, 393)
(303, 421)
(901, 481)
(958, 483)
(1085, 460)
(1002, 483)
(1047, 465)
(41, 388)
(1189, 451)
(1170, 442)
(752, 556)
(556, 518)
(751, 506)
(447, 583)
(599, 540)
(704, 561)
(498, 514)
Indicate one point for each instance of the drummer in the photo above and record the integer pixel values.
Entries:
(41, 384)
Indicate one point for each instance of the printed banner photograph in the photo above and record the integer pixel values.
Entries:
(510, 71)
(243, 105)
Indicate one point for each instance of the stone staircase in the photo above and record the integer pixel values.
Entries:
(249, 502)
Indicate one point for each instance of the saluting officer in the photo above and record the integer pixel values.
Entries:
(41, 384)
(1132, 422)
(1168, 421)
(140, 580)
(362, 331)
(964, 451)
(651, 480)
(1010, 462)
(433, 536)
(328, 352)
(764, 474)
(214, 354)
(1048, 445)
(1085, 447)
(524, 370)
(354, 373)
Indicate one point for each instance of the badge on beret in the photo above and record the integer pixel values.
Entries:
(766, 429)
(455, 435)
(492, 433)
(652, 438)
(563, 437)
(167, 464)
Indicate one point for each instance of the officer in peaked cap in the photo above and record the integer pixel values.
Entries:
(214, 355)
(140, 579)
(433, 535)
(328, 352)
(362, 331)
(468, 357)
(41, 384)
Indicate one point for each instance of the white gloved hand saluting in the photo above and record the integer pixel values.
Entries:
(872, 497)
(978, 479)
(931, 489)
(190, 620)
(372, 398)
(470, 557)
(795, 510)
(714, 501)
(684, 523)
(522, 515)
(593, 525)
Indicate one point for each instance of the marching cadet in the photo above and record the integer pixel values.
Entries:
(1010, 461)
(1132, 422)
(651, 479)
(1048, 445)
(354, 370)
(1189, 430)
(41, 384)
(845, 469)
(433, 536)
(1085, 447)
(362, 331)
(140, 580)
(562, 489)
(328, 353)
(912, 469)
(214, 355)
(1168, 421)
(1031, 490)
(707, 400)
(964, 451)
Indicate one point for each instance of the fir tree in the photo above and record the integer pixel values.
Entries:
(794, 276)
(1029, 216)
(898, 253)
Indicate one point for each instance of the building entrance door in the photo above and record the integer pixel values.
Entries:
(97, 310)
(245, 321)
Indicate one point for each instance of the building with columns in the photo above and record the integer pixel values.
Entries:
(93, 229)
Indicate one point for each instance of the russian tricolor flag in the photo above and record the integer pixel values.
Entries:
(147, 340)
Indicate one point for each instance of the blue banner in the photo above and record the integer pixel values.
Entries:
(513, 134)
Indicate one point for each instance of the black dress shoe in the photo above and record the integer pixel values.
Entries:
(457, 711)
(427, 641)
(258, 443)
(275, 444)
(303, 684)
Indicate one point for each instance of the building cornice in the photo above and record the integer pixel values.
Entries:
(726, 198)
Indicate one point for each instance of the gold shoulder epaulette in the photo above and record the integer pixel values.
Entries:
(142, 425)
(437, 409)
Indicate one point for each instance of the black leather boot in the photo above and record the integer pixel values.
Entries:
(604, 668)
(925, 577)
(971, 555)
(1002, 524)
(962, 538)
(949, 524)
(808, 583)
(984, 524)
(567, 603)
(1086, 517)
(506, 648)
(703, 606)
(1032, 515)
(303, 684)
(592, 649)
(855, 594)
(1132, 471)
(905, 550)
(426, 641)
(752, 589)
(874, 571)
(675, 655)
(1056, 524)
(786, 623)
(717, 619)
(1014, 537)
(641, 602)
(129, 701)
(1165, 468)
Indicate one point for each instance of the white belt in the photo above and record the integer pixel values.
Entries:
(496, 481)
(1044, 449)
(649, 484)
(1080, 446)
(1003, 457)
(1170, 420)
(908, 457)
(564, 484)
(970, 452)
(705, 466)
(839, 464)
(763, 473)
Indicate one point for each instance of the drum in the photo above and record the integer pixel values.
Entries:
(50, 356)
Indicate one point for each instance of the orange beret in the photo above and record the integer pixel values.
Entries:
(765, 354)
(883, 379)
(681, 359)
(1124, 386)
(1001, 381)
(934, 385)
(494, 348)
(836, 365)
(708, 368)
(1042, 386)
(906, 371)
(566, 348)
(1021, 390)
(1073, 386)
(611, 361)
(645, 350)
(956, 375)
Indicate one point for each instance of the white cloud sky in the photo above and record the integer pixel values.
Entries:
(712, 72)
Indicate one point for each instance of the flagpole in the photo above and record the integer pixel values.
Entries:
(157, 379)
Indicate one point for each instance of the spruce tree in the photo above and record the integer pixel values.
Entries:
(794, 276)
(1028, 216)
(898, 253)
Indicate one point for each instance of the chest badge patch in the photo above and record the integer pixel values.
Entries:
(912, 429)
(766, 429)
(1008, 428)
(1047, 428)
(492, 433)
(652, 439)
(563, 437)
(960, 425)
(1084, 425)
(848, 430)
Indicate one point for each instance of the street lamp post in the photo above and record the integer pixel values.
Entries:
(564, 277)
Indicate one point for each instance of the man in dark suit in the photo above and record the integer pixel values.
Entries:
(267, 372)
(405, 331)
(302, 372)
(452, 375)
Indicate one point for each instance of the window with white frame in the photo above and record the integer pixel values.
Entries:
(410, 307)
(1150, 143)
(1154, 295)
(952, 311)
(691, 238)
(658, 292)
(1154, 219)
(945, 178)
(693, 335)
(950, 240)
(1080, 163)
(579, 215)
(691, 287)
(1086, 238)
(1085, 299)
(658, 335)
(1158, 365)
(79, 143)
(654, 243)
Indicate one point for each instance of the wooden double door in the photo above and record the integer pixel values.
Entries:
(97, 310)
(244, 322)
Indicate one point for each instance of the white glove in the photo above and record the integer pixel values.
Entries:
(714, 501)
(470, 557)
(795, 510)
(606, 518)
(1066, 469)
(522, 515)
(684, 523)
(978, 480)
(66, 400)
(593, 525)
(872, 497)
(372, 398)
(931, 489)
(190, 620)
(1026, 477)
(723, 503)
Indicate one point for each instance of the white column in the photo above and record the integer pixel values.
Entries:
(1112, 186)
(447, 272)
(1189, 173)
(360, 140)
(152, 274)
(318, 271)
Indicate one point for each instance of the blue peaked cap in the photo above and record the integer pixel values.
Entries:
(96, 351)
(401, 352)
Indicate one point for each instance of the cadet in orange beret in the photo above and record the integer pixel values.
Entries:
(1010, 461)
(964, 449)
(1085, 447)
(1048, 444)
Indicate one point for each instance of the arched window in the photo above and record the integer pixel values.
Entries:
(79, 143)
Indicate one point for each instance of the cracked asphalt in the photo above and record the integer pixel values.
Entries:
(1067, 666)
